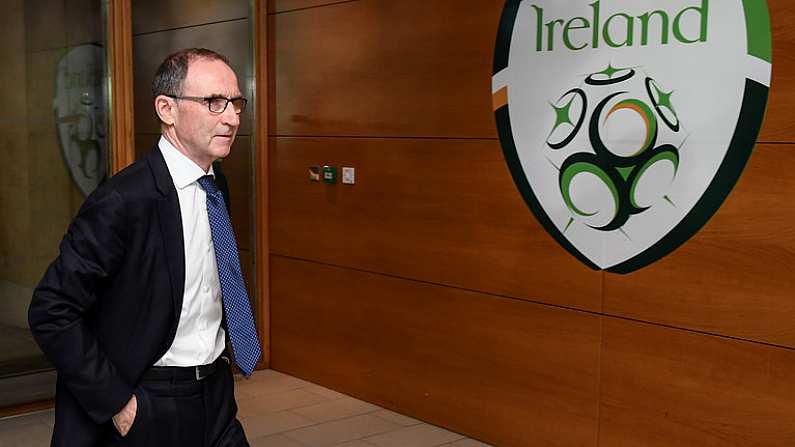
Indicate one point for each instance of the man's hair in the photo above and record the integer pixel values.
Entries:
(170, 77)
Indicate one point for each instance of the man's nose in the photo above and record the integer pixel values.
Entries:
(229, 117)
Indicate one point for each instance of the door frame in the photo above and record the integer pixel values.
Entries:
(119, 83)
(260, 163)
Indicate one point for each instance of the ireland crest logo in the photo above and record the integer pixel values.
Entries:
(79, 106)
(626, 124)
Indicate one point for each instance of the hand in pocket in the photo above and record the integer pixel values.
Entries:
(124, 419)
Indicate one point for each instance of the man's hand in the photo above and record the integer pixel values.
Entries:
(124, 419)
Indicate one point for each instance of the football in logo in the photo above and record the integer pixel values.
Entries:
(625, 124)
(605, 185)
(79, 106)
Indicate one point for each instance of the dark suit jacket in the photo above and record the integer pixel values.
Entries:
(108, 306)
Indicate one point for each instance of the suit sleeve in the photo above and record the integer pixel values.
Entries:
(90, 253)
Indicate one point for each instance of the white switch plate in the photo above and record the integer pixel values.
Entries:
(348, 176)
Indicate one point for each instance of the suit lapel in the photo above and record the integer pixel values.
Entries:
(170, 227)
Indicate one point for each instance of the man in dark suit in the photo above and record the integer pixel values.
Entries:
(144, 310)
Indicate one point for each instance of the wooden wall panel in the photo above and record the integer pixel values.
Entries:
(779, 126)
(122, 96)
(160, 15)
(443, 211)
(277, 6)
(237, 168)
(735, 277)
(401, 91)
(246, 267)
(505, 371)
(429, 76)
(663, 387)
(144, 142)
(385, 68)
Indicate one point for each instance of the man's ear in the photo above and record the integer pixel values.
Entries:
(165, 109)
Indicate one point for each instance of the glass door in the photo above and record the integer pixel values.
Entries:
(54, 142)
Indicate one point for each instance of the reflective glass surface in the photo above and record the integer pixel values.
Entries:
(53, 139)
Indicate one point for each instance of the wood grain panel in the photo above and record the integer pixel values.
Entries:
(246, 269)
(663, 387)
(120, 53)
(444, 211)
(505, 371)
(144, 142)
(238, 171)
(159, 15)
(385, 68)
(261, 192)
(277, 6)
(428, 76)
(735, 276)
(779, 126)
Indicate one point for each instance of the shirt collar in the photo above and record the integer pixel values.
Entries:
(182, 169)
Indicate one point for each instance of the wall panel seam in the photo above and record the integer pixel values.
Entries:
(156, 134)
(389, 137)
(311, 7)
(422, 137)
(164, 30)
(775, 142)
(536, 302)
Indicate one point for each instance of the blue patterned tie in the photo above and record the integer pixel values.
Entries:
(239, 321)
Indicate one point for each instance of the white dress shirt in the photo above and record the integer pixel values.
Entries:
(200, 338)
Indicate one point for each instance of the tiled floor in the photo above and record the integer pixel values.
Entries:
(278, 410)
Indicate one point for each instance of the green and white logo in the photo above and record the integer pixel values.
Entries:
(626, 123)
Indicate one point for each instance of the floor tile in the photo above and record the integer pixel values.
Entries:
(17, 422)
(48, 418)
(423, 435)
(276, 402)
(269, 375)
(337, 432)
(274, 441)
(469, 443)
(258, 425)
(263, 383)
(335, 409)
(30, 435)
(325, 392)
(278, 410)
(397, 418)
(357, 443)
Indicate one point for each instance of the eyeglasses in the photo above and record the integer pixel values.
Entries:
(218, 104)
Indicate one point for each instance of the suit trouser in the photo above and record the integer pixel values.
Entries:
(187, 412)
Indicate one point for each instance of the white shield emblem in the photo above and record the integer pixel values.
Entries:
(626, 123)
(79, 106)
